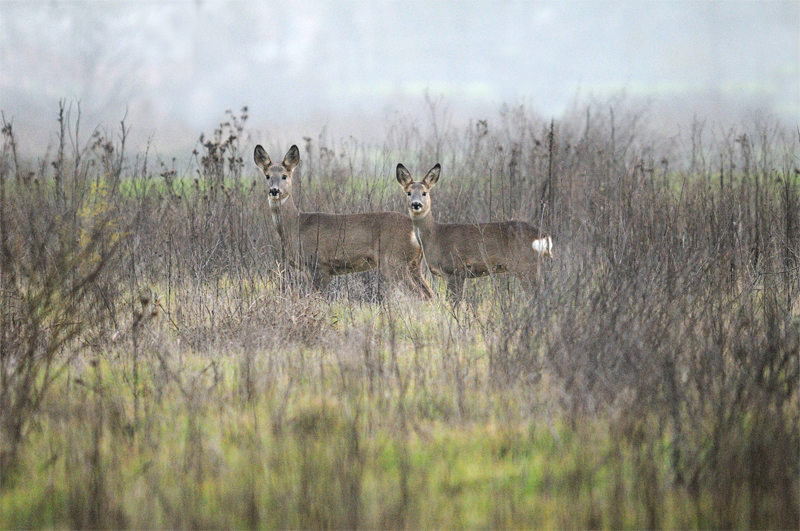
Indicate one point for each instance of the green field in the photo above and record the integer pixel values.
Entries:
(162, 369)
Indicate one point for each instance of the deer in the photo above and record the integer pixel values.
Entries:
(323, 245)
(458, 251)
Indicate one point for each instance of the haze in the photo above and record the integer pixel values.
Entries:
(171, 69)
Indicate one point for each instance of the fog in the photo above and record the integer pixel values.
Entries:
(171, 69)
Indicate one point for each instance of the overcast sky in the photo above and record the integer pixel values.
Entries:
(176, 66)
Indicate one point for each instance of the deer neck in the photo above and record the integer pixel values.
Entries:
(424, 229)
(287, 221)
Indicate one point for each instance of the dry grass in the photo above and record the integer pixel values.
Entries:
(160, 369)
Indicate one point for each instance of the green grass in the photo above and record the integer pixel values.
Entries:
(398, 425)
(649, 382)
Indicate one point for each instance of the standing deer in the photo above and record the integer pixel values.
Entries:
(338, 244)
(458, 251)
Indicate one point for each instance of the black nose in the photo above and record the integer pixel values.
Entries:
(416, 205)
(275, 191)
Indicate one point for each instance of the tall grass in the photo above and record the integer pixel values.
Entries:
(161, 369)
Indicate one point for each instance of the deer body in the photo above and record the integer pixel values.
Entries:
(458, 251)
(336, 244)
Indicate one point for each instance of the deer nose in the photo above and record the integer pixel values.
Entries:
(416, 205)
(275, 192)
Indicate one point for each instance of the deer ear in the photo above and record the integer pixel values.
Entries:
(262, 159)
(292, 158)
(404, 176)
(432, 176)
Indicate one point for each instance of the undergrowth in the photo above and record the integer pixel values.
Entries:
(160, 368)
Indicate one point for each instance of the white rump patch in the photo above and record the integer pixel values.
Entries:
(543, 246)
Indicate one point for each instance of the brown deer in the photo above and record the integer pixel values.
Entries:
(458, 251)
(337, 244)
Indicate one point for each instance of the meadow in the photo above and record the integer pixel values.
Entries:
(160, 367)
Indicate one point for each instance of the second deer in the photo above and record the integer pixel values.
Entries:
(458, 251)
(336, 244)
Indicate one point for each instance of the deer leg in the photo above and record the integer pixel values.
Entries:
(408, 273)
(390, 273)
(417, 280)
(455, 288)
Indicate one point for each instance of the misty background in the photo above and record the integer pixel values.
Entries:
(171, 69)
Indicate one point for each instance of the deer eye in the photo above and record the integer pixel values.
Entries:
(409, 194)
(283, 177)
(424, 194)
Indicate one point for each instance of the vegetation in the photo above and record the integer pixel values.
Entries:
(159, 368)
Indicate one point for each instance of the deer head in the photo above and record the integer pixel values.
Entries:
(279, 176)
(418, 196)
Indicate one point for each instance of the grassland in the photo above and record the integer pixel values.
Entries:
(162, 369)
